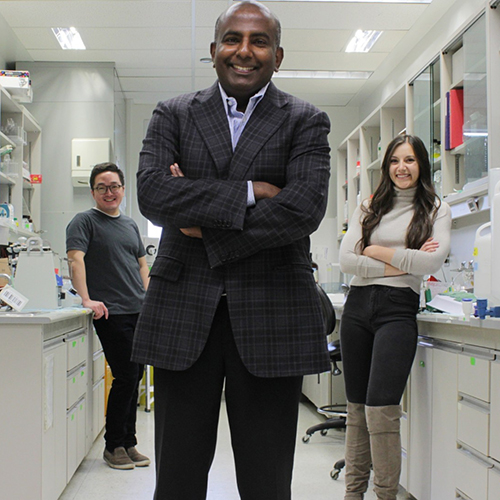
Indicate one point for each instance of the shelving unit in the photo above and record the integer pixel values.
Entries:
(15, 183)
(469, 62)
(358, 157)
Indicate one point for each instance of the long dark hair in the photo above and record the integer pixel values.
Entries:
(425, 202)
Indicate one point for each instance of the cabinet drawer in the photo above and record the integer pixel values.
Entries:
(473, 426)
(76, 424)
(76, 385)
(472, 475)
(97, 346)
(76, 350)
(495, 412)
(98, 367)
(474, 377)
(494, 483)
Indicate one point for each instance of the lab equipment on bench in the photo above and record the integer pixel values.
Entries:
(35, 275)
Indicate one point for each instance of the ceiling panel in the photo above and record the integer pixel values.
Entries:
(118, 13)
(346, 16)
(330, 61)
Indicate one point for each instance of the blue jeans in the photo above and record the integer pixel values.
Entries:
(378, 338)
(116, 335)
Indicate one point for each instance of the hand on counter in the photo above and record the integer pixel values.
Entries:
(99, 308)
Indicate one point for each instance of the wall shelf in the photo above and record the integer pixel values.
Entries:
(15, 186)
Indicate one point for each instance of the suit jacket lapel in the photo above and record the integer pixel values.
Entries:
(207, 111)
(265, 120)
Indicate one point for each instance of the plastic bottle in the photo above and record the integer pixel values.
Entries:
(482, 262)
(495, 246)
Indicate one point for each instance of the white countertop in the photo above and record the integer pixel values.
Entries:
(41, 316)
(490, 323)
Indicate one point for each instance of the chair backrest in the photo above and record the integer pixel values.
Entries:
(328, 311)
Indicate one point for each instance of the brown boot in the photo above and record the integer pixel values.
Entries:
(357, 453)
(385, 441)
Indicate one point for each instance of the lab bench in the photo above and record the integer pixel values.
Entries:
(451, 423)
(52, 393)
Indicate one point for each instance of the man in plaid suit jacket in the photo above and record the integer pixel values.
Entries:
(237, 177)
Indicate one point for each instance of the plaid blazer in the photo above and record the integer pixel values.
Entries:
(259, 256)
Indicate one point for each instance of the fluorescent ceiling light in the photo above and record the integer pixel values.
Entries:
(69, 38)
(357, 1)
(363, 41)
(337, 75)
(475, 134)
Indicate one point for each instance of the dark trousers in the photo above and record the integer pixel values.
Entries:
(378, 338)
(116, 335)
(262, 415)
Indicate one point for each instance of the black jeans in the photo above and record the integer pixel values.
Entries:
(116, 335)
(262, 414)
(378, 338)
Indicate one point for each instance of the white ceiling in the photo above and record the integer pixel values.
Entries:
(156, 45)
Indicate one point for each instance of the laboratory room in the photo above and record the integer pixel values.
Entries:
(137, 268)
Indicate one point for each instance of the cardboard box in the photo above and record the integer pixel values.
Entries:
(4, 269)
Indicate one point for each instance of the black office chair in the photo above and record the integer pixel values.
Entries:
(336, 414)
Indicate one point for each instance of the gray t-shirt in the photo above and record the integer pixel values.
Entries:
(112, 247)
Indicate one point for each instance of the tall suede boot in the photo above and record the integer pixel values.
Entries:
(385, 441)
(357, 453)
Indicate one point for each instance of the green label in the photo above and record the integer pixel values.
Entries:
(473, 361)
(74, 343)
(422, 364)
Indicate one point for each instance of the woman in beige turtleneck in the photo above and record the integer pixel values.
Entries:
(394, 239)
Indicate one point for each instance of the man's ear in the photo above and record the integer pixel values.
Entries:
(213, 46)
(280, 54)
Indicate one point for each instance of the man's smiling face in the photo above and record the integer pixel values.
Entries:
(245, 54)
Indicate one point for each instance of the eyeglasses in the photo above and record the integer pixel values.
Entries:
(114, 188)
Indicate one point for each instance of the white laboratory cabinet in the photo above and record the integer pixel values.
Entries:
(49, 405)
(324, 389)
(454, 411)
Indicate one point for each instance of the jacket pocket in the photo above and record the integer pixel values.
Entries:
(166, 268)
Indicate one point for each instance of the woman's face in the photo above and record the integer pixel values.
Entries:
(403, 169)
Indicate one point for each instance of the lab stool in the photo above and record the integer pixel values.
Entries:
(146, 388)
(336, 414)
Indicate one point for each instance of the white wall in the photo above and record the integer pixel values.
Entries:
(137, 117)
(324, 244)
(70, 100)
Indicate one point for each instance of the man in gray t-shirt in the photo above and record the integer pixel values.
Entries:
(110, 273)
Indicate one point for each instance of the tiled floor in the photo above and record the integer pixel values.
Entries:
(94, 480)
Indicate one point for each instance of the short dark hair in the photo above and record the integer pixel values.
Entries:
(105, 167)
(263, 8)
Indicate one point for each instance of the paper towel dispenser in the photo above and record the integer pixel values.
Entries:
(85, 154)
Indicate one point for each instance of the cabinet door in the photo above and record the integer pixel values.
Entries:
(316, 388)
(493, 483)
(495, 412)
(54, 424)
(419, 453)
(444, 424)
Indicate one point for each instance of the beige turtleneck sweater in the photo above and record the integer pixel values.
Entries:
(391, 233)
